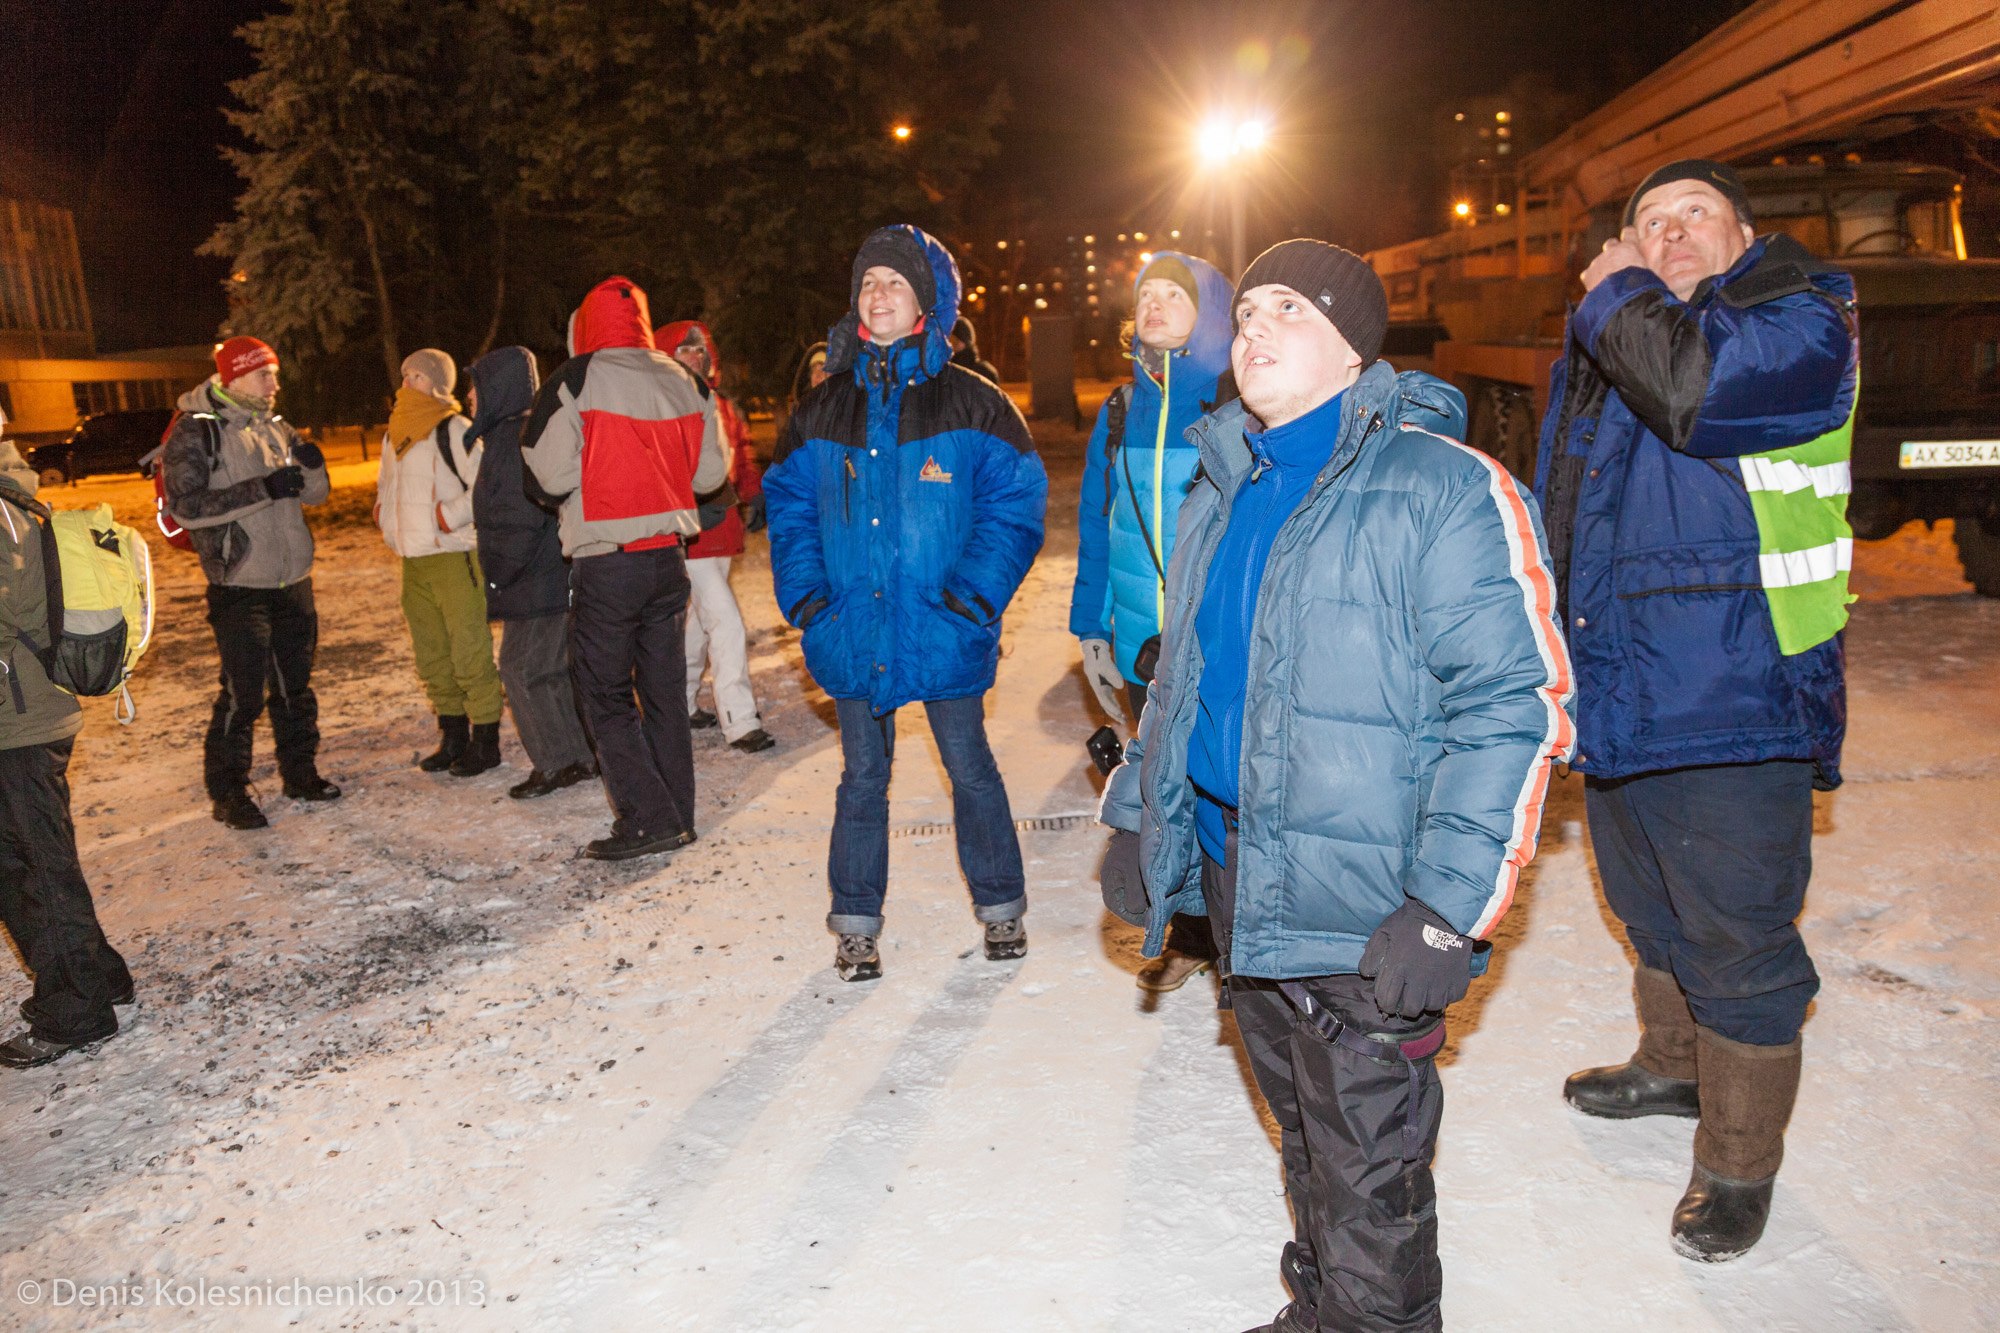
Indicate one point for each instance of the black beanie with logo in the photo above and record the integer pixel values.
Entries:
(1339, 283)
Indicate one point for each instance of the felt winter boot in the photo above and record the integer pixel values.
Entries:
(1747, 1094)
(1660, 1078)
(481, 752)
(454, 733)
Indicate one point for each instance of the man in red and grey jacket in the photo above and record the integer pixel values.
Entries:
(625, 440)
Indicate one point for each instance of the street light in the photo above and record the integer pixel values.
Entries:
(1223, 143)
(901, 133)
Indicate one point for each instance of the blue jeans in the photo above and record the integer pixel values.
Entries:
(857, 863)
(1707, 868)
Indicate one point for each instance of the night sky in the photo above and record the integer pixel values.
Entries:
(111, 108)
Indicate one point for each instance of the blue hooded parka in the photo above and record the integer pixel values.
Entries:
(905, 503)
(1133, 493)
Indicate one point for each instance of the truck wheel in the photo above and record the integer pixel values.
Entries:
(1979, 553)
(52, 476)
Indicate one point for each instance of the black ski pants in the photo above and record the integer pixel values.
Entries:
(45, 901)
(1356, 1138)
(267, 639)
(627, 617)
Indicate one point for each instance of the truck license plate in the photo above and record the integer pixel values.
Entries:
(1949, 453)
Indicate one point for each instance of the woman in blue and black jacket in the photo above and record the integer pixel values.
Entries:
(905, 504)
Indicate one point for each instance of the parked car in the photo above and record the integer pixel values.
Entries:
(103, 443)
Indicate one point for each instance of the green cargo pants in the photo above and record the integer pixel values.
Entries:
(444, 599)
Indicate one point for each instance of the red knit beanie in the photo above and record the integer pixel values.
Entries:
(240, 355)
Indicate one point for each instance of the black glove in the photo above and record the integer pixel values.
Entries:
(285, 482)
(308, 454)
(1120, 879)
(753, 514)
(1420, 964)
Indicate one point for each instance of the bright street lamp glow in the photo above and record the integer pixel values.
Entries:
(1214, 141)
(1250, 136)
(1220, 139)
(902, 132)
(1462, 209)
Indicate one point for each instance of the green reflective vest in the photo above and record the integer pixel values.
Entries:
(1805, 546)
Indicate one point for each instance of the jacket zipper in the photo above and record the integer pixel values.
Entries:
(847, 489)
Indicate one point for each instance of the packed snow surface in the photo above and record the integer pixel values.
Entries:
(408, 1047)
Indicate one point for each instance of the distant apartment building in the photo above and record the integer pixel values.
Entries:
(50, 374)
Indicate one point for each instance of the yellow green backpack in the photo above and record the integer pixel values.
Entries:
(99, 574)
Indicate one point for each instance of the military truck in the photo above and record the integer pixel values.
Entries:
(1927, 435)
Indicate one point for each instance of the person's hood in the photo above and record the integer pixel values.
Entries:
(207, 396)
(1206, 352)
(802, 377)
(506, 380)
(844, 339)
(613, 315)
(15, 474)
(669, 337)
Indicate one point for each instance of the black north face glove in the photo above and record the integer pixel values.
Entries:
(285, 482)
(1123, 885)
(1420, 964)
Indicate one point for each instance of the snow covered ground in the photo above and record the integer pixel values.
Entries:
(407, 1043)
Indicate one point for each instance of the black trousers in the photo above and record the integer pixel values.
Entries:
(45, 901)
(1363, 1211)
(267, 639)
(626, 639)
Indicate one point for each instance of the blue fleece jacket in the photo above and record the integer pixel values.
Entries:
(1284, 463)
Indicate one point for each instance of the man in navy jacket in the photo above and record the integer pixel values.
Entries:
(905, 504)
(1695, 482)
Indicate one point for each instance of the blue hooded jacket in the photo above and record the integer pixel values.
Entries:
(905, 503)
(1655, 543)
(1118, 591)
(1406, 699)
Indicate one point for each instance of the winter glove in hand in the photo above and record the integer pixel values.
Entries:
(1124, 887)
(285, 483)
(753, 514)
(1101, 670)
(308, 454)
(1419, 963)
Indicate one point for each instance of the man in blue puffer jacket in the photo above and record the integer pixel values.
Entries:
(1695, 477)
(905, 503)
(1361, 694)
(1132, 492)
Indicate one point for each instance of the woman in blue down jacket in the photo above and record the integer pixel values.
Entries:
(1132, 491)
(905, 504)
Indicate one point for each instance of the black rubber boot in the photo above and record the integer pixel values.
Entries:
(455, 733)
(1659, 1079)
(624, 844)
(1719, 1219)
(314, 788)
(481, 754)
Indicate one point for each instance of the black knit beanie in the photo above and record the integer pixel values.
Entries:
(1722, 178)
(1338, 282)
(896, 248)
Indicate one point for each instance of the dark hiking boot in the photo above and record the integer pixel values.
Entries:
(753, 742)
(481, 753)
(701, 720)
(541, 784)
(1170, 971)
(238, 811)
(623, 845)
(454, 734)
(24, 1050)
(314, 788)
(1659, 1079)
(1746, 1100)
(1718, 1219)
(1006, 939)
(1294, 1318)
(1628, 1091)
(856, 958)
